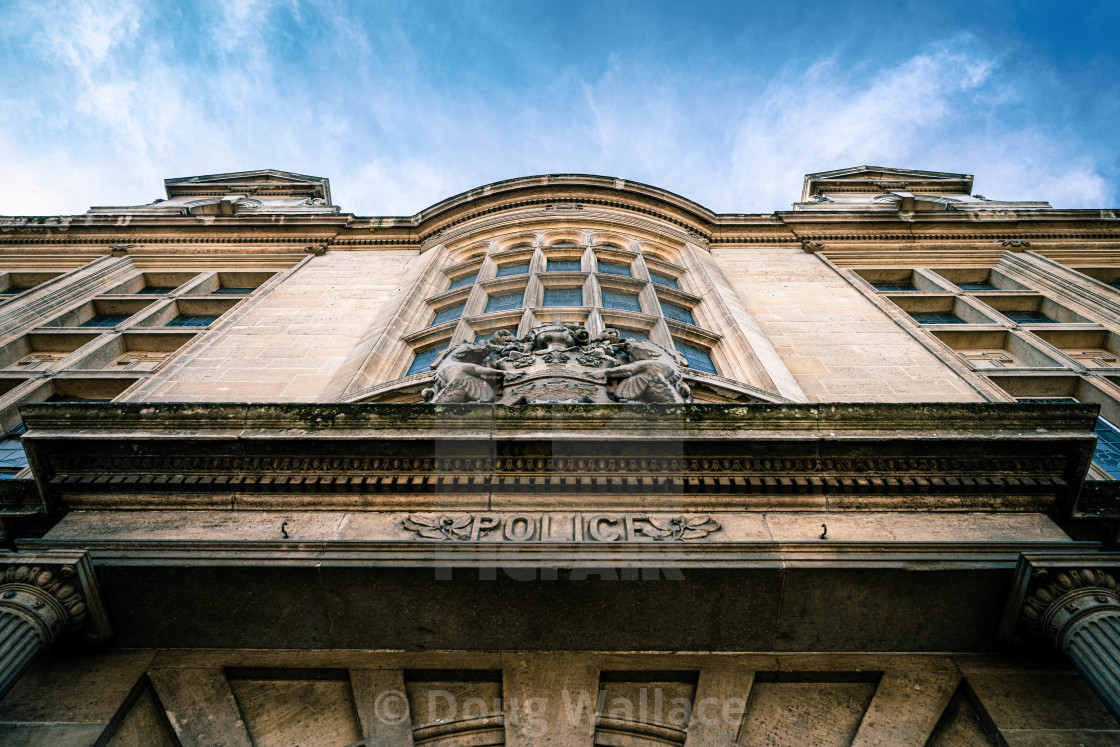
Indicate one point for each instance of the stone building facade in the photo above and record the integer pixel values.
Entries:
(562, 460)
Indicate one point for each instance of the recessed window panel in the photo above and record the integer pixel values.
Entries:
(624, 301)
(1028, 317)
(610, 268)
(504, 302)
(422, 361)
(464, 280)
(104, 320)
(665, 280)
(506, 270)
(448, 314)
(985, 286)
(677, 312)
(14, 290)
(936, 317)
(520, 246)
(191, 320)
(889, 287)
(563, 265)
(234, 291)
(157, 290)
(563, 297)
(698, 358)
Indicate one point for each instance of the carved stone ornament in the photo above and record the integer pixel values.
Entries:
(559, 527)
(45, 586)
(1043, 610)
(559, 363)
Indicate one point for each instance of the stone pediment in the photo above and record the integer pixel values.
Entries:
(879, 179)
(269, 182)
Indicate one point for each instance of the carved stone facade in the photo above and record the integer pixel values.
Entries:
(563, 460)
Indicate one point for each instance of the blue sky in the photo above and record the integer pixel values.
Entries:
(401, 104)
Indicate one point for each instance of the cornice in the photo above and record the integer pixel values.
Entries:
(1009, 457)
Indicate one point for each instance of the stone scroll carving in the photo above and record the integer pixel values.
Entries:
(559, 363)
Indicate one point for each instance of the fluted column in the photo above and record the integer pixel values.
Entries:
(1079, 612)
(42, 598)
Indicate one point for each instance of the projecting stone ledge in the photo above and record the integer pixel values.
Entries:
(1002, 457)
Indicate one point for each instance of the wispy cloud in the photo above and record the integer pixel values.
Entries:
(401, 107)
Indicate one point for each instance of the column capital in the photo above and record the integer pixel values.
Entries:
(57, 588)
(1054, 589)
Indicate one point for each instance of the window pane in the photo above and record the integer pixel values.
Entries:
(507, 270)
(894, 287)
(12, 290)
(936, 317)
(520, 246)
(242, 291)
(677, 312)
(422, 361)
(698, 358)
(504, 302)
(104, 320)
(985, 286)
(191, 320)
(563, 297)
(1107, 453)
(155, 290)
(624, 301)
(637, 334)
(465, 280)
(12, 456)
(563, 265)
(612, 269)
(446, 315)
(1028, 317)
(660, 279)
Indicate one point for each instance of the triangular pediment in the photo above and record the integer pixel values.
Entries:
(881, 179)
(270, 182)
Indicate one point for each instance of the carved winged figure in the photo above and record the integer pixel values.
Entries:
(653, 375)
(461, 377)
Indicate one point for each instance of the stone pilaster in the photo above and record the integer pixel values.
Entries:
(1078, 610)
(44, 597)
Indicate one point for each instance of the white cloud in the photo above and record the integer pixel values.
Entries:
(121, 106)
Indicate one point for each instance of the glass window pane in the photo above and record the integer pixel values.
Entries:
(1028, 317)
(563, 265)
(12, 456)
(13, 290)
(894, 287)
(191, 320)
(624, 301)
(611, 268)
(985, 286)
(156, 290)
(504, 302)
(1107, 453)
(936, 317)
(104, 320)
(465, 280)
(447, 315)
(660, 279)
(677, 312)
(697, 358)
(422, 361)
(507, 270)
(563, 297)
(240, 291)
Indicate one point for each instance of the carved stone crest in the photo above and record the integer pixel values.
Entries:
(559, 363)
